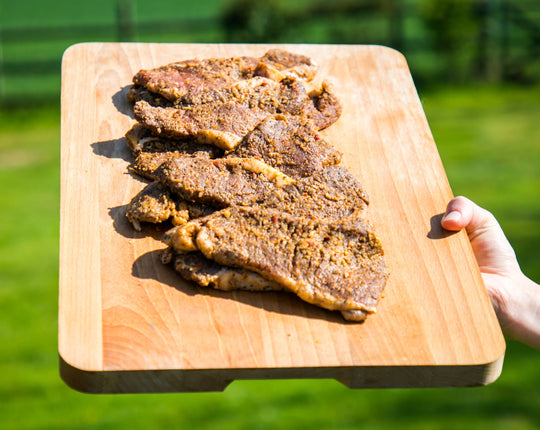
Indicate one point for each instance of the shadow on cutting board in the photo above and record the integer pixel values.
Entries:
(124, 228)
(436, 231)
(149, 266)
(114, 148)
(121, 103)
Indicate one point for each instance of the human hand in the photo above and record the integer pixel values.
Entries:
(515, 298)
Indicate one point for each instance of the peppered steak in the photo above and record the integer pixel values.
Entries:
(155, 204)
(141, 140)
(194, 266)
(332, 193)
(289, 143)
(220, 182)
(239, 108)
(199, 186)
(258, 197)
(200, 81)
(335, 265)
(146, 163)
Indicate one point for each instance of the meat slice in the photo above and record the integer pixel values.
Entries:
(334, 265)
(200, 81)
(290, 143)
(332, 193)
(287, 63)
(325, 108)
(155, 204)
(137, 92)
(195, 267)
(227, 119)
(191, 187)
(141, 140)
(146, 163)
(220, 182)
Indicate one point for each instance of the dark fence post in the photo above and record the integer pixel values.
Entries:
(504, 48)
(124, 20)
(481, 62)
(1, 68)
(396, 25)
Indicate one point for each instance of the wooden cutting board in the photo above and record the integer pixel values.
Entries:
(127, 323)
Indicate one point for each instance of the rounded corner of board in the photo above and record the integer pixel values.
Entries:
(85, 381)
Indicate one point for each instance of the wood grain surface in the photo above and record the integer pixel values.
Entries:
(127, 323)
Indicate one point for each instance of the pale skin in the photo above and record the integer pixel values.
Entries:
(515, 298)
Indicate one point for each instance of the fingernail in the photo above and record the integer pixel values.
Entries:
(452, 216)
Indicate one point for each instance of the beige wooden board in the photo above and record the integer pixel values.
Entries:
(127, 323)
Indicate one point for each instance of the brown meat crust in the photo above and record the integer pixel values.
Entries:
(155, 204)
(140, 139)
(332, 193)
(257, 195)
(225, 120)
(289, 143)
(200, 81)
(221, 182)
(195, 267)
(335, 265)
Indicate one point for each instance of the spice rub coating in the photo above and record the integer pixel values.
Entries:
(334, 265)
(194, 266)
(259, 200)
(199, 81)
(141, 140)
(290, 143)
(225, 120)
(332, 193)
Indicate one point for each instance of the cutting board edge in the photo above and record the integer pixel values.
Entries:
(217, 380)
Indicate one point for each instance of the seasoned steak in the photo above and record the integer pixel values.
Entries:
(335, 265)
(227, 119)
(155, 204)
(257, 196)
(220, 182)
(146, 163)
(325, 108)
(195, 267)
(200, 81)
(191, 187)
(289, 143)
(332, 193)
(140, 139)
(136, 93)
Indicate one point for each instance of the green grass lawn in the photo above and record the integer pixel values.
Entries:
(489, 142)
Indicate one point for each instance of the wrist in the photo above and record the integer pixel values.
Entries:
(523, 317)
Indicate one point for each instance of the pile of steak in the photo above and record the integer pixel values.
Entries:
(258, 200)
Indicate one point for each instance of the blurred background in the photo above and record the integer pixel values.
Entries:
(476, 65)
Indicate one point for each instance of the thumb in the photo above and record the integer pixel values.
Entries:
(491, 248)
